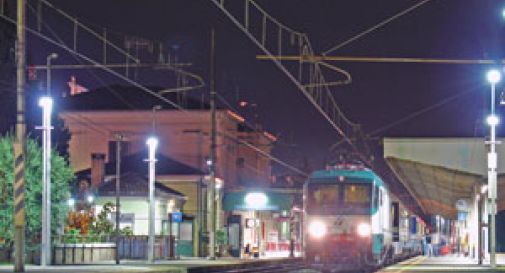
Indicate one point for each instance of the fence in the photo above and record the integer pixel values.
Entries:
(89, 249)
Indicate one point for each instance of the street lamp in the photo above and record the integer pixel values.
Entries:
(152, 143)
(493, 77)
(47, 104)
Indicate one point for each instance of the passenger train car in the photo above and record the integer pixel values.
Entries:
(351, 218)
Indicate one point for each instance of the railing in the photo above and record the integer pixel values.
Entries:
(135, 247)
(80, 239)
(89, 249)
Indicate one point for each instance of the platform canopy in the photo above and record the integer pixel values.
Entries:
(440, 171)
(258, 200)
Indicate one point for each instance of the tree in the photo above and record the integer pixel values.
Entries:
(34, 89)
(61, 175)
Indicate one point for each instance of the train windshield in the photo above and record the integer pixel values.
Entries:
(348, 198)
(356, 194)
(324, 195)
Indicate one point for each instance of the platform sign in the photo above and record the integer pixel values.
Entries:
(413, 227)
(462, 215)
(176, 217)
(462, 205)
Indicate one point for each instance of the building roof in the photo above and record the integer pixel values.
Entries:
(136, 163)
(135, 185)
(121, 97)
(439, 172)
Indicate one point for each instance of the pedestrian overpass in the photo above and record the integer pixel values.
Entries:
(447, 176)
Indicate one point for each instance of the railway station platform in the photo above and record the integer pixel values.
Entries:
(449, 263)
(190, 265)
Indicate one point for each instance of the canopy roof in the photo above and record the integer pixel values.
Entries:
(440, 171)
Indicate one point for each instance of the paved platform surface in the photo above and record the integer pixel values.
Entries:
(169, 266)
(451, 263)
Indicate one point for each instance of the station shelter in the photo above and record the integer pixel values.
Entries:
(264, 222)
(447, 177)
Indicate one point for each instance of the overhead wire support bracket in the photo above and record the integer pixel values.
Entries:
(316, 89)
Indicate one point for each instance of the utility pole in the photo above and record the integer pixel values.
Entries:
(211, 194)
(20, 142)
(119, 138)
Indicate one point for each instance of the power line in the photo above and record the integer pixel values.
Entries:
(143, 88)
(71, 51)
(332, 114)
(108, 88)
(420, 112)
(321, 59)
(106, 42)
(377, 26)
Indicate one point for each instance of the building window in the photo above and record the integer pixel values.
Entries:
(240, 162)
(125, 150)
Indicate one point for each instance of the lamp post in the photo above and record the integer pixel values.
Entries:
(119, 138)
(493, 77)
(152, 143)
(46, 103)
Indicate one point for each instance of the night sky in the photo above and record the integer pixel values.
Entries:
(380, 93)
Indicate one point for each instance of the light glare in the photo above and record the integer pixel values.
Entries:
(317, 229)
(46, 102)
(152, 141)
(256, 199)
(493, 76)
(492, 120)
(364, 230)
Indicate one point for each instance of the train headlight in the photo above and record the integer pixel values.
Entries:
(317, 229)
(364, 230)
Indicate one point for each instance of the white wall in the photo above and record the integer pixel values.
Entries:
(139, 207)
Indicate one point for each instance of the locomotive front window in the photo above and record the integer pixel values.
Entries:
(339, 198)
(359, 194)
(324, 195)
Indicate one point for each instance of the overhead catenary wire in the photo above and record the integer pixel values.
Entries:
(372, 59)
(77, 23)
(145, 89)
(375, 27)
(420, 112)
(108, 88)
(276, 160)
(312, 99)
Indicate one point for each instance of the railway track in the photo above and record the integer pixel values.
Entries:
(295, 265)
(278, 268)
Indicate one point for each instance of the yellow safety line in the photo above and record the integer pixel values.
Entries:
(410, 264)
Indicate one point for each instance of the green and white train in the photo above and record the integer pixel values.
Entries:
(352, 220)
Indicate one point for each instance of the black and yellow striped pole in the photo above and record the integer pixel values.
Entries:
(19, 186)
(20, 142)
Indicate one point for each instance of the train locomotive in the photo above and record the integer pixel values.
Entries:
(352, 220)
